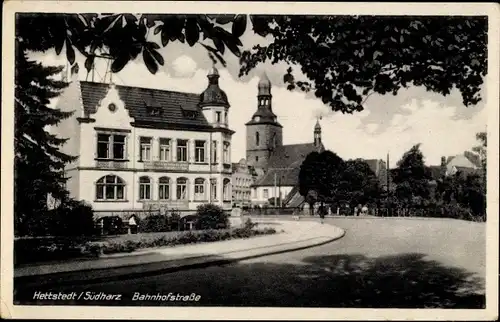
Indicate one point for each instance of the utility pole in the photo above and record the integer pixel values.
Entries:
(388, 173)
(274, 194)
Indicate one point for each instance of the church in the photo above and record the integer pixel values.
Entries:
(277, 165)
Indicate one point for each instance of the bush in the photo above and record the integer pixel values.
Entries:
(188, 237)
(72, 218)
(210, 216)
(154, 223)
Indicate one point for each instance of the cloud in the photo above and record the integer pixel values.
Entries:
(184, 66)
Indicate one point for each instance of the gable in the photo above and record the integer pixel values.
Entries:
(151, 107)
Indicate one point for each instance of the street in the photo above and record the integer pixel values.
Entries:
(379, 263)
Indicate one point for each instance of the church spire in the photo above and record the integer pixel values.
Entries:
(317, 133)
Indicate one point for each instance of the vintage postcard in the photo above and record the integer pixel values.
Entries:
(250, 160)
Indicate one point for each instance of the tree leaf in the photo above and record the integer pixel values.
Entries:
(158, 57)
(70, 52)
(153, 45)
(192, 31)
(89, 62)
(239, 25)
(120, 62)
(158, 29)
(149, 61)
(218, 44)
(164, 37)
(59, 46)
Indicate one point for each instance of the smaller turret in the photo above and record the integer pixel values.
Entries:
(317, 134)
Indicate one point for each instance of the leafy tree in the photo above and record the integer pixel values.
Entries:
(482, 151)
(412, 177)
(210, 216)
(38, 164)
(319, 176)
(359, 183)
(347, 58)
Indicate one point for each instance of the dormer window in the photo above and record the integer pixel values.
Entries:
(190, 114)
(152, 106)
(154, 110)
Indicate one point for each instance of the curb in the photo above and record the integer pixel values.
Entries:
(59, 278)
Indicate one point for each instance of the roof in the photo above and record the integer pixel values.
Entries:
(294, 199)
(284, 164)
(171, 104)
(466, 160)
(266, 115)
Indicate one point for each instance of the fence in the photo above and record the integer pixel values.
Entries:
(434, 211)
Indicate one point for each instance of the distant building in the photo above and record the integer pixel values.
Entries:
(243, 177)
(278, 165)
(142, 148)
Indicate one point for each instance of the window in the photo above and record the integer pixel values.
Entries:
(110, 188)
(110, 146)
(199, 189)
(199, 151)
(182, 150)
(226, 153)
(145, 148)
(226, 189)
(266, 194)
(182, 189)
(144, 188)
(164, 149)
(214, 152)
(164, 188)
(256, 159)
(225, 118)
(257, 138)
(218, 117)
(213, 189)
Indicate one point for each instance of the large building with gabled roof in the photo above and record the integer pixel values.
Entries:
(143, 148)
(277, 165)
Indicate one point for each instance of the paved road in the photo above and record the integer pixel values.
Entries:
(404, 263)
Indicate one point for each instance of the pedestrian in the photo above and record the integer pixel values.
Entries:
(322, 213)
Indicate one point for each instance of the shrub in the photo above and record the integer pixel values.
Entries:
(210, 216)
(154, 223)
(72, 218)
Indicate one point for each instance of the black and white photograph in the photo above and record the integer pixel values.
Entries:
(260, 156)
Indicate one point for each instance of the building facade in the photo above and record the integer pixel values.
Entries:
(242, 179)
(143, 148)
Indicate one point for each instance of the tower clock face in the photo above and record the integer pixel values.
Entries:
(257, 118)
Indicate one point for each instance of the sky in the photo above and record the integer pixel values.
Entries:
(389, 124)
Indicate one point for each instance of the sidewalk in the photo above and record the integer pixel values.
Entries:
(296, 235)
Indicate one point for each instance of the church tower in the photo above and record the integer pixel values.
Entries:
(317, 134)
(264, 132)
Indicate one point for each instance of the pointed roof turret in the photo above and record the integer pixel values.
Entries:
(264, 85)
(213, 95)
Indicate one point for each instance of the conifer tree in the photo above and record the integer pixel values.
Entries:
(39, 164)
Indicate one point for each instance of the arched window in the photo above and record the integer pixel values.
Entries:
(110, 188)
(257, 138)
(164, 188)
(182, 189)
(213, 189)
(226, 192)
(199, 189)
(144, 188)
